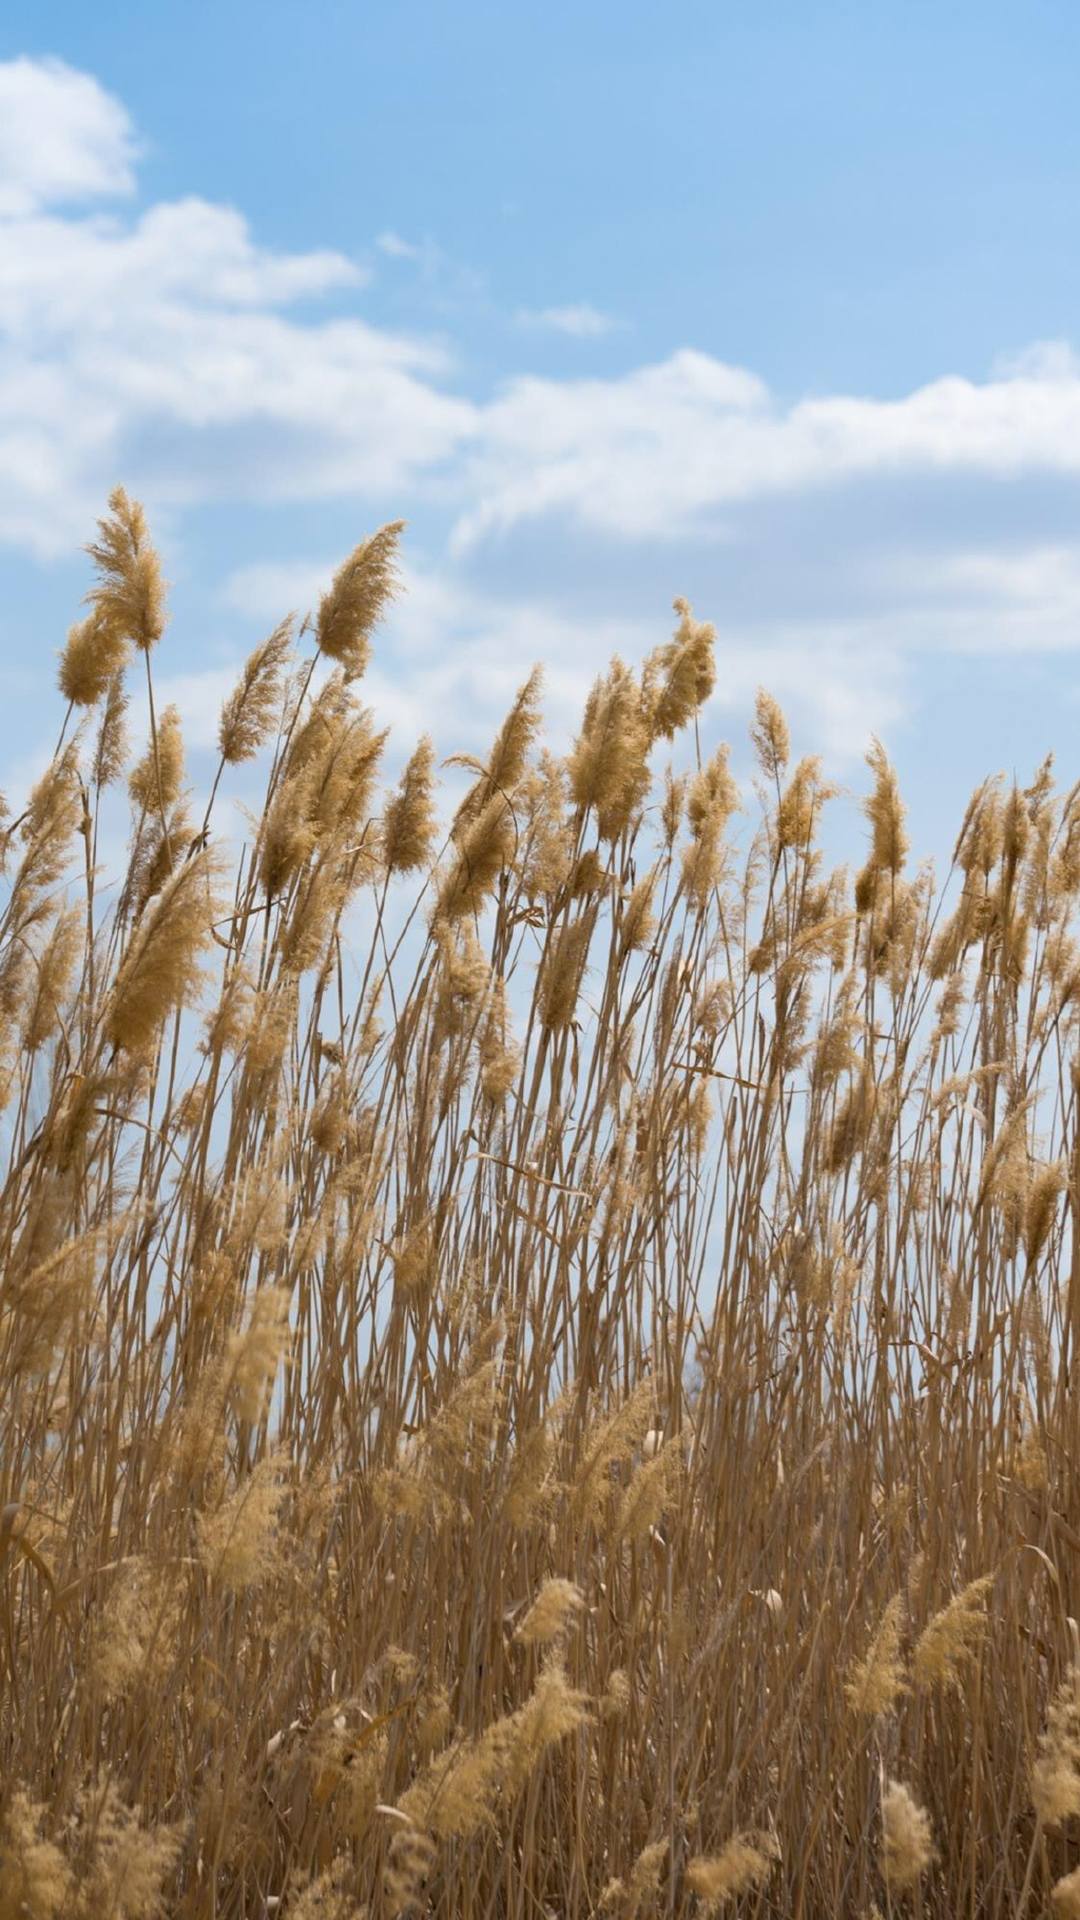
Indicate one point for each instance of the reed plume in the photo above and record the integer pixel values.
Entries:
(361, 590)
(537, 1331)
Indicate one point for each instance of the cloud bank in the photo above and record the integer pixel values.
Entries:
(165, 344)
(175, 314)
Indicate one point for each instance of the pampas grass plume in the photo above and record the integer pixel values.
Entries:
(907, 1848)
(161, 971)
(129, 598)
(551, 1612)
(361, 590)
(741, 1866)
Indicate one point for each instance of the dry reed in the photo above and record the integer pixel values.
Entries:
(537, 1343)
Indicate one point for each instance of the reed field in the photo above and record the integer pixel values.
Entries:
(537, 1320)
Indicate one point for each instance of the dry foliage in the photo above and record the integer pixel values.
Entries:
(536, 1348)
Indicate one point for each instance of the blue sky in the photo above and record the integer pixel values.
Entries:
(773, 306)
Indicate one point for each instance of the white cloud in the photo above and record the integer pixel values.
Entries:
(199, 698)
(1022, 600)
(270, 589)
(1043, 360)
(62, 137)
(1033, 577)
(164, 348)
(64, 281)
(192, 393)
(429, 259)
(396, 248)
(658, 450)
(168, 348)
(580, 322)
(840, 682)
(159, 348)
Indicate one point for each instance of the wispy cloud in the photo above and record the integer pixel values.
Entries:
(430, 261)
(62, 137)
(396, 248)
(578, 322)
(1043, 360)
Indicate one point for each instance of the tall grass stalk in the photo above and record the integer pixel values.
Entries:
(537, 1346)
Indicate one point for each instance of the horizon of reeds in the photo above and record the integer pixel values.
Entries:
(536, 1348)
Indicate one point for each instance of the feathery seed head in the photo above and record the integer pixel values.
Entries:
(252, 708)
(129, 597)
(35, 1879)
(506, 763)
(236, 1538)
(608, 764)
(1055, 1781)
(551, 1613)
(769, 733)
(952, 1639)
(485, 850)
(1065, 1895)
(110, 751)
(92, 657)
(638, 921)
(160, 972)
(671, 807)
(907, 1848)
(876, 1682)
(563, 972)
(155, 781)
(741, 1866)
(361, 590)
(801, 803)
(679, 676)
(409, 824)
(885, 811)
(254, 1355)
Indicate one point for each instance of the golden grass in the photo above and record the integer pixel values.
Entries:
(537, 1359)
